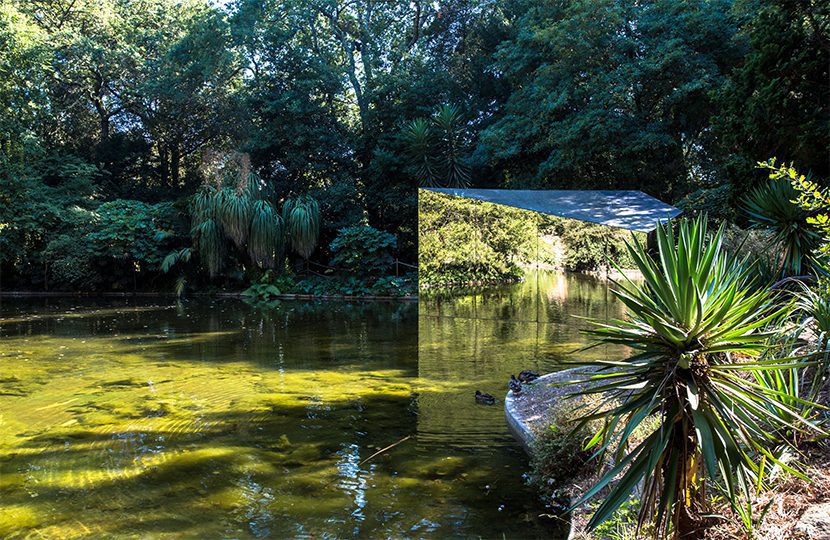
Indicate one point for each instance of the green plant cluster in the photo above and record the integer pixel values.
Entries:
(117, 245)
(361, 265)
(395, 286)
(588, 247)
(363, 250)
(559, 459)
(462, 240)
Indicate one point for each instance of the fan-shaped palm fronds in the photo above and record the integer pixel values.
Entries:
(684, 322)
(418, 139)
(265, 242)
(772, 206)
(301, 216)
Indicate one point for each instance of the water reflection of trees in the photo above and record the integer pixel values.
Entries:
(541, 297)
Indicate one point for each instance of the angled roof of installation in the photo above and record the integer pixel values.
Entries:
(624, 209)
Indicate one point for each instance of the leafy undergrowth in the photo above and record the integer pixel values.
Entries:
(271, 287)
(774, 515)
(559, 463)
(561, 469)
(776, 511)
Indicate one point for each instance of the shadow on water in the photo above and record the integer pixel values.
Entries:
(213, 419)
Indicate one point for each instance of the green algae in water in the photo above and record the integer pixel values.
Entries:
(220, 420)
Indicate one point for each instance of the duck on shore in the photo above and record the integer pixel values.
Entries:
(514, 384)
(527, 376)
(484, 399)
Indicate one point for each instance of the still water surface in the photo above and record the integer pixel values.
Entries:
(137, 418)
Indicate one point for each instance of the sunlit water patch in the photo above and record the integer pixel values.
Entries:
(216, 419)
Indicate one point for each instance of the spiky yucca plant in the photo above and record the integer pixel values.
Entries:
(694, 327)
(301, 218)
(450, 132)
(436, 148)
(418, 138)
(773, 206)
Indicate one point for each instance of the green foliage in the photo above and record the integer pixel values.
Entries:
(558, 459)
(766, 106)
(714, 202)
(693, 326)
(456, 173)
(462, 240)
(210, 243)
(266, 245)
(175, 257)
(236, 214)
(119, 243)
(252, 223)
(358, 286)
(104, 100)
(403, 285)
(131, 230)
(418, 138)
(609, 94)
(589, 247)
(363, 249)
(268, 288)
(814, 305)
(623, 525)
(813, 198)
(70, 262)
(436, 148)
(301, 216)
(773, 206)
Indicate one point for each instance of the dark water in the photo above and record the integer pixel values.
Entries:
(216, 419)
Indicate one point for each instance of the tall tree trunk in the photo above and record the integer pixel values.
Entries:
(97, 98)
(164, 163)
(175, 164)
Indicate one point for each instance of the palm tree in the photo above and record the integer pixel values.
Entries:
(418, 139)
(301, 216)
(436, 148)
(451, 134)
(246, 216)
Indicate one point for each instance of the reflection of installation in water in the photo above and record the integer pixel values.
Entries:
(623, 210)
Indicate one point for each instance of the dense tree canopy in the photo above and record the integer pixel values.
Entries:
(114, 106)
